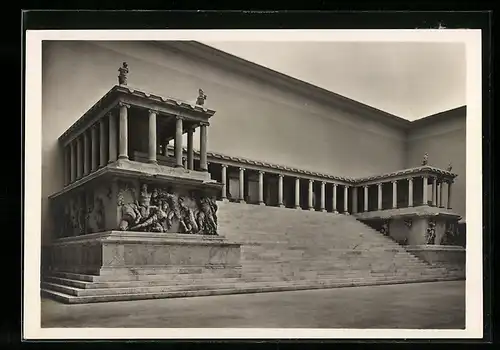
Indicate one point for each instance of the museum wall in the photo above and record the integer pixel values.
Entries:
(443, 138)
(253, 119)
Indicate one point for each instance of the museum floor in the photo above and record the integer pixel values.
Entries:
(438, 305)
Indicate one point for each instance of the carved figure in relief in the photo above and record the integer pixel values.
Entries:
(122, 77)
(385, 228)
(201, 98)
(188, 217)
(207, 219)
(431, 232)
(425, 160)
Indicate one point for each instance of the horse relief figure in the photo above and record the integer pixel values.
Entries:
(135, 214)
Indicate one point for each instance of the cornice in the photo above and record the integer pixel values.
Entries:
(112, 97)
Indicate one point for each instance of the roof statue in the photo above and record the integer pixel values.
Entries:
(450, 166)
(201, 98)
(425, 160)
(122, 77)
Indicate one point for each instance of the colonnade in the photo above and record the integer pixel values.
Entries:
(105, 142)
(350, 203)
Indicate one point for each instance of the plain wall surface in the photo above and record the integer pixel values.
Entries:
(253, 119)
(444, 140)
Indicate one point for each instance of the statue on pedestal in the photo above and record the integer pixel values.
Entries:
(201, 98)
(122, 77)
(425, 160)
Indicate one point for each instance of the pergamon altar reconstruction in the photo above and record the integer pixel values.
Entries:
(190, 184)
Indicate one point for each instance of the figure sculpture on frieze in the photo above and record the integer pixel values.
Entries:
(430, 236)
(188, 217)
(207, 219)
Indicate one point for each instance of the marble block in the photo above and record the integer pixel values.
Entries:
(121, 251)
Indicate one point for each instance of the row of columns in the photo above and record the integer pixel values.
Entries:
(437, 192)
(280, 190)
(80, 162)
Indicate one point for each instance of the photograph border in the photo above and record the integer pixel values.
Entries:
(474, 253)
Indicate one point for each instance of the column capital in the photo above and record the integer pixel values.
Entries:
(347, 186)
(242, 169)
(93, 126)
(335, 185)
(311, 181)
(123, 104)
(323, 183)
(410, 178)
(262, 172)
(179, 117)
(449, 181)
(204, 123)
(424, 176)
(224, 165)
(153, 111)
(379, 184)
(394, 181)
(366, 186)
(281, 175)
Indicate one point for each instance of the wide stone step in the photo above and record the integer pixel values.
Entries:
(243, 288)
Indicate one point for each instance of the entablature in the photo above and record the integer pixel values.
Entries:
(134, 97)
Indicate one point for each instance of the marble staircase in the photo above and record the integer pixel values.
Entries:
(282, 249)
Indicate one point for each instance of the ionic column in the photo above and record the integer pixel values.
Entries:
(354, 194)
(394, 194)
(152, 137)
(297, 193)
(112, 138)
(441, 202)
(123, 137)
(178, 142)
(223, 180)
(434, 191)
(322, 202)
(67, 165)
(242, 185)
(203, 147)
(93, 145)
(280, 190)
(365, 198)
(449, 194)
(102, 143)
(190, 151)
(261, 188)
(410, 192)
(86, 156)
(334, 199)
(79, 158)
(424, 188)
(310, 195)
(346, 200)
(379, 197)
(72, 161)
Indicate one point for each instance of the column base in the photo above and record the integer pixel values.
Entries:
(346, 213)
(123, 157)
(335, 212)
(225, 200)
(262, 203)
(323, 210)
(298, 207)
(179, 166)
(242, 201)
(281, 206)
(312, 209)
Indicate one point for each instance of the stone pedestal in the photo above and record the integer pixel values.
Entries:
(120, 252)
(448, 256)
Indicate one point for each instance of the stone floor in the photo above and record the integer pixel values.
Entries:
(438, 305)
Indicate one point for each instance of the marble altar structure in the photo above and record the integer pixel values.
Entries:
(134, 183)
